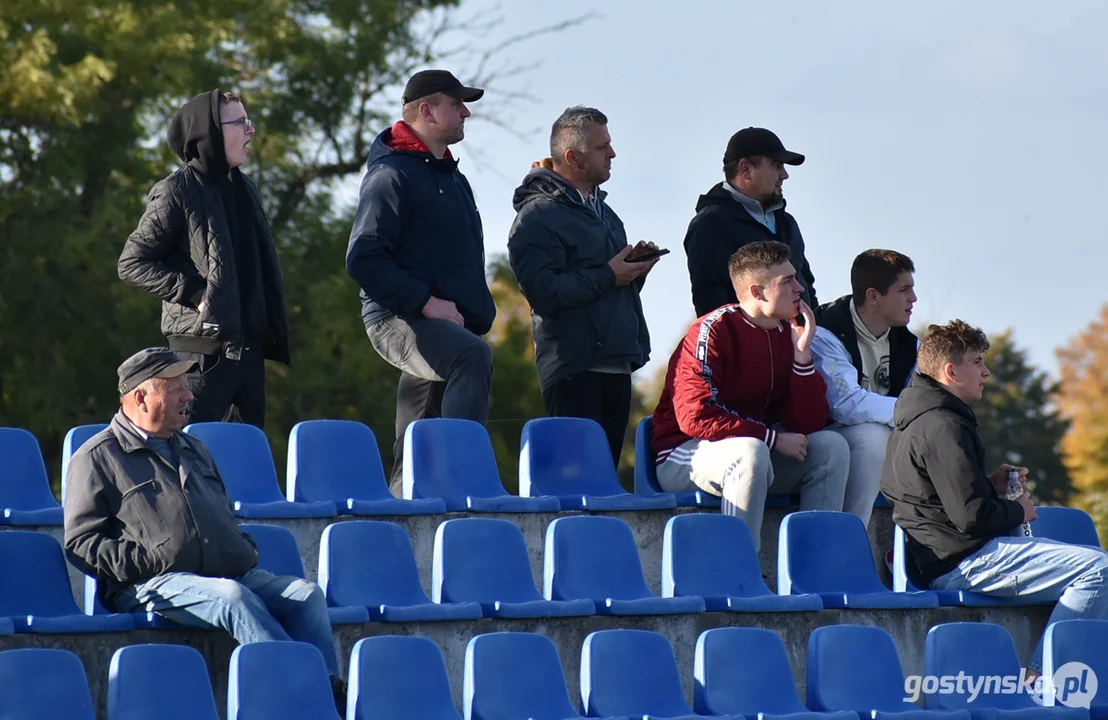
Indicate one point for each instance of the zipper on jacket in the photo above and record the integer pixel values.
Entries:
(769, 344)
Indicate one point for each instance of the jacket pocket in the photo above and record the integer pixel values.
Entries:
(138, 510)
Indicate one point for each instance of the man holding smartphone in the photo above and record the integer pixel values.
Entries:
(569, 252)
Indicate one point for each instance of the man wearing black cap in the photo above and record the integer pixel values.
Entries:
(147, 515)
(417, 253)
(204, 248)
(746, 207)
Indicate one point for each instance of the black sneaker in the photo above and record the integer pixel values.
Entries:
(338, 689)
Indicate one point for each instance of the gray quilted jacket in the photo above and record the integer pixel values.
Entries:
(182, 251)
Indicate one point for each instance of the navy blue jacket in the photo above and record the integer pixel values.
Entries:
(559, 250)
(417, 233)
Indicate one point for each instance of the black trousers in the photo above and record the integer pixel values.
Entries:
(603, 397)
(230, 390)
(416, 399)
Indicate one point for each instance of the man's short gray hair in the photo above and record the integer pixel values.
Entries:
(568, 132)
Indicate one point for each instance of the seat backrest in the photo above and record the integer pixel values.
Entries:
(41, 683)
(278, 552)
(592, 557)
(74, 439)
(825, 551)
(854, 667)
(245, 462)
(710, 555)
(279, 680)
(36, 581)
(646, 475)
(1076, 641)
(368, 563)
(1065, 524)
(510, 675)
(981, 650)
(334, 460)
(566, 456)
(168, 682)
(743, 671)
(399, 676)
(448, 458)
(24, 484)
(630, 672)
(481, 560)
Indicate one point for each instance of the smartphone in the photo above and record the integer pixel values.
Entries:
(651, 256)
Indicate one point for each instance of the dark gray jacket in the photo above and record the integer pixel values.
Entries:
(129, 515)
(559, 250)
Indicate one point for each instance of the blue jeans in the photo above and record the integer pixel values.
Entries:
(1036, 570)
(255, 607)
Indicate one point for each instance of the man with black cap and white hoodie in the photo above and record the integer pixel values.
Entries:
(746, 207)
(205, 249)
(417, 253)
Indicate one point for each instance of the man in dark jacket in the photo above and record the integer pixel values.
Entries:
(569, 252)
(865, 352)
(746, 207)
(147, 515)
(204, 248)
(962, 533)
(417, 252)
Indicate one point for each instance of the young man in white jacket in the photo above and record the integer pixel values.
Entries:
(866, 354)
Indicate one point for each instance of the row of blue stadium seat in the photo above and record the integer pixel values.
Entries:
(482, 569)
(739, 673)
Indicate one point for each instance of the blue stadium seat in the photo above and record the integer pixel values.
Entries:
(512, 675)
(712, 556)
(44, 685)
(371, 564)
(279, 554)
(453, 459)
(398, 676)
(646, 476)
(37, 596)
(167, 682)
(485, 561)
(74, 439)
(6, 626)
(828, 553)
(1065, 524)
(595, 558)
(1082, 641)
(570, 458)
(745, 671)
(982, 650)
(856, 668)
(338, 460)
(279, 681)
(245, 462)
(906, 579)
(25, 497)
(632, 673)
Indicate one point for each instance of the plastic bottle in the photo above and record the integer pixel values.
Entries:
(1014, 491)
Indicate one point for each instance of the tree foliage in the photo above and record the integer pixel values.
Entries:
(1084, 401)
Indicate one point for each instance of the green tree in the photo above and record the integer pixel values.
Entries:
(1019, 422)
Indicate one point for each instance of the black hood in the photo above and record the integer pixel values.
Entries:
(719, 196)
(196, 135)
(924, 395)
(541, 183)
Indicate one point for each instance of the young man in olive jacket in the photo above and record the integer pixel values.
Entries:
(962, 533)
(569, 252)
(204, 248)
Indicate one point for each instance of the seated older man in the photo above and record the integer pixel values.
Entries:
(147, 514)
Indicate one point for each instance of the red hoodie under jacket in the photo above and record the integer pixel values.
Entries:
(730, 378)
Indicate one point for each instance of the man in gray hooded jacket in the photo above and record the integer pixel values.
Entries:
(569, 252)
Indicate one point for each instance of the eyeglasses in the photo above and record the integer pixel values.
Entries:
(247, 126)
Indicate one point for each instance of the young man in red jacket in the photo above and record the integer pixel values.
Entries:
(743, 408)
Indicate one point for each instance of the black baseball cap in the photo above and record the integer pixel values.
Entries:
(429, 82)
(753, 141)
(157, 362)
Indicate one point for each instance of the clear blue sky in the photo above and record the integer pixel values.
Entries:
(969, 135)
